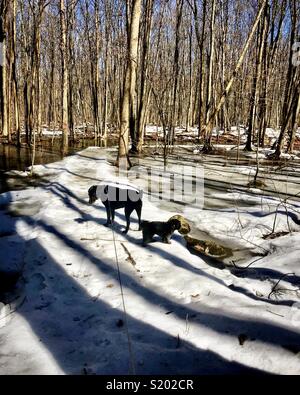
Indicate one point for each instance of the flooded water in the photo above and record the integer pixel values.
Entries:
(226, 185)
(47, 151)
(221, 176)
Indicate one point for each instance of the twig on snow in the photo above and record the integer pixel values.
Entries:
(275, 286)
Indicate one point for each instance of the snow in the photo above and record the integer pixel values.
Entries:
(181, 131)
(47, 132)
(185, 315)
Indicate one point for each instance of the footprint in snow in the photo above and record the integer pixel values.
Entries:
(37, 281)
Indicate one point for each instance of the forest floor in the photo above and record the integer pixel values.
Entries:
(187, 313)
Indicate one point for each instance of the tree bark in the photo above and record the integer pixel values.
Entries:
(254, 100)
(129, 97)
(3, 42)
(209, 96)
(64, 71)
(144, 92)
(291, 84)
(173, 118)
(295, 122)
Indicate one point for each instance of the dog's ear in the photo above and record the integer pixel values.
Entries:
(176, 225)
(92, 189)
(92, 194)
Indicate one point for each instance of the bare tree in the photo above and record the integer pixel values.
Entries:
(3, 77)
(254, 99)
(209, 124)
(144, 88)
(72, 64)
(209, 97)
(129, 93)
(292, 83)
(64, 73)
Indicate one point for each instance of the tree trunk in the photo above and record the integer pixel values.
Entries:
(254, 100)
(209, 97)
(64, 72)
(208, 127)
(3, 41)
(295, 123)
(173, 119)
(289, 97)
(129, 97)
(71, 67)
(14, 76)
(138, 136)
(200, 41)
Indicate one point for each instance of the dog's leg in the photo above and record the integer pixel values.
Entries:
(166, 239)
(148, 232)
(112, 215)
(147, 237)
(128, 212)
(108, 214)
(139, 214)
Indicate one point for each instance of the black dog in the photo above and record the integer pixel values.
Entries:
(114, 197)
(162, 229)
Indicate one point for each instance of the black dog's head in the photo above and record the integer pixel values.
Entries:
(174, 224)
(93, 194)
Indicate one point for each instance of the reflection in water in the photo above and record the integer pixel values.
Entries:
(13, 158)
(47, 151)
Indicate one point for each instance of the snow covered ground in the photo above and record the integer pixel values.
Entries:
(234, 131)
(184, 313)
